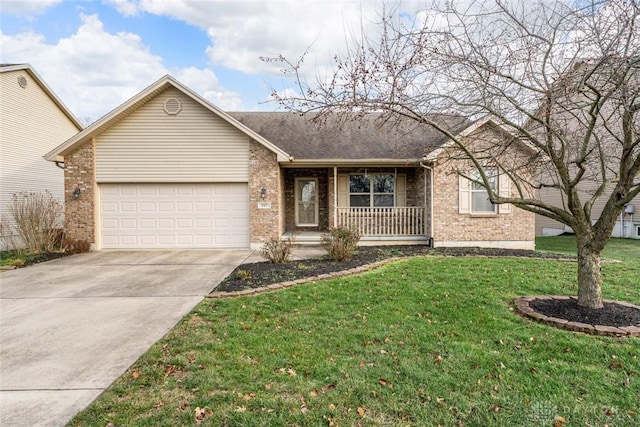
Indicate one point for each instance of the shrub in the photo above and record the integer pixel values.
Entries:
(243, 275)
(340, 243)
(278, 251)
(14, 262)
(76, 246)
(36, 220)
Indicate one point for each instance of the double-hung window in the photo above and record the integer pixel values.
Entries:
(480, 202)
(372, 190)
(474, 197)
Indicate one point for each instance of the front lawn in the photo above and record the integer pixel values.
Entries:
(426, 341)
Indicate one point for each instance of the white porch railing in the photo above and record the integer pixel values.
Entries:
(401, 221)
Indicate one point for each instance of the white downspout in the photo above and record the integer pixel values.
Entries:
(430, 169)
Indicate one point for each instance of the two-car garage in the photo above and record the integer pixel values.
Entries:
(174, 215)
(167, 170)
(172, 174)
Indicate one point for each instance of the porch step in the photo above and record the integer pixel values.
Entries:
(305, 238)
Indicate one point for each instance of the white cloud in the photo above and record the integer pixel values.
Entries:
(28, 7)
(125, 7)
(243, 31)
(94, 71)
(205, 83)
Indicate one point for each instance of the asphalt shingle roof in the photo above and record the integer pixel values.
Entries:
(367, 138)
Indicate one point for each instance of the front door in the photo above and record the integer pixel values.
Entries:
(306, 202)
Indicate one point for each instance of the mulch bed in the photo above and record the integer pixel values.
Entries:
(612, 314)
(260, 274)
(43, 257)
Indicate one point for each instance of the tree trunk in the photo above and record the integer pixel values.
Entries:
(589, 277)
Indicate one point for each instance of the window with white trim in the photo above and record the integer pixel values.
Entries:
(372, 190)
(480, 202)
(474, 198)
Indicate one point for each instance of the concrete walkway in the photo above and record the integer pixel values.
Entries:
(70, 327)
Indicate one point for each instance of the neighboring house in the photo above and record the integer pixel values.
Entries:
(577, 94)
(627, 226)
(167, 169)
(33, 120)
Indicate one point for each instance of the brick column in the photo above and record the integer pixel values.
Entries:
(79, 174)
(264, 172)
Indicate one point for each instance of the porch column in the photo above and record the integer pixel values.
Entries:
(335, 196)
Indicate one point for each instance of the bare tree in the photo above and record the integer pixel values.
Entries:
(559, 77)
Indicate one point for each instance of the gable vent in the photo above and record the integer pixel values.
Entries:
(172, 106)
(22, 81)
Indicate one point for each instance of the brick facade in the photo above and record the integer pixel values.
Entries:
(450, 225)
(79, 173)
(515, 228)
(264, 172)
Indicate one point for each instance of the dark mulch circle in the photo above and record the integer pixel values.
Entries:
(612, 314)
(260, 274)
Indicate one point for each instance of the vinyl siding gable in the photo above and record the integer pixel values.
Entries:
(31, 124)
(194, 145)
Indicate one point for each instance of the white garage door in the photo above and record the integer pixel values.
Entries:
(174, 216)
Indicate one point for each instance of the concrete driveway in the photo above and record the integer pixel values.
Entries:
(70, 327)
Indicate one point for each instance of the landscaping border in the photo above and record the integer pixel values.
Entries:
(282, 285)
(523, 307)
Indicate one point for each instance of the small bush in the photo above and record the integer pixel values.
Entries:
(340, 243)
(36, 220)
(15, 262)
(278, 251)
(76, 246)
(243, 275)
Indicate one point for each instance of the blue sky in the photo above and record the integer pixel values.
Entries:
(97, 54)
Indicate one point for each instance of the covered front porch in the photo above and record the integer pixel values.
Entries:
(387, 205)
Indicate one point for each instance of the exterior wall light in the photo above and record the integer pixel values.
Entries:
(76, 193)
(263, 192)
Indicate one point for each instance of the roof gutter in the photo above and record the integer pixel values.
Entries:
(349, 162)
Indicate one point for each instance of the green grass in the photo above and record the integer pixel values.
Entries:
(13, 258)
(426, 341)
(622, 249)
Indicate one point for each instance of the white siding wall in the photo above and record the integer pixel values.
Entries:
(546, 226)
(575, 121)
(193, 146)
(31, 125)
